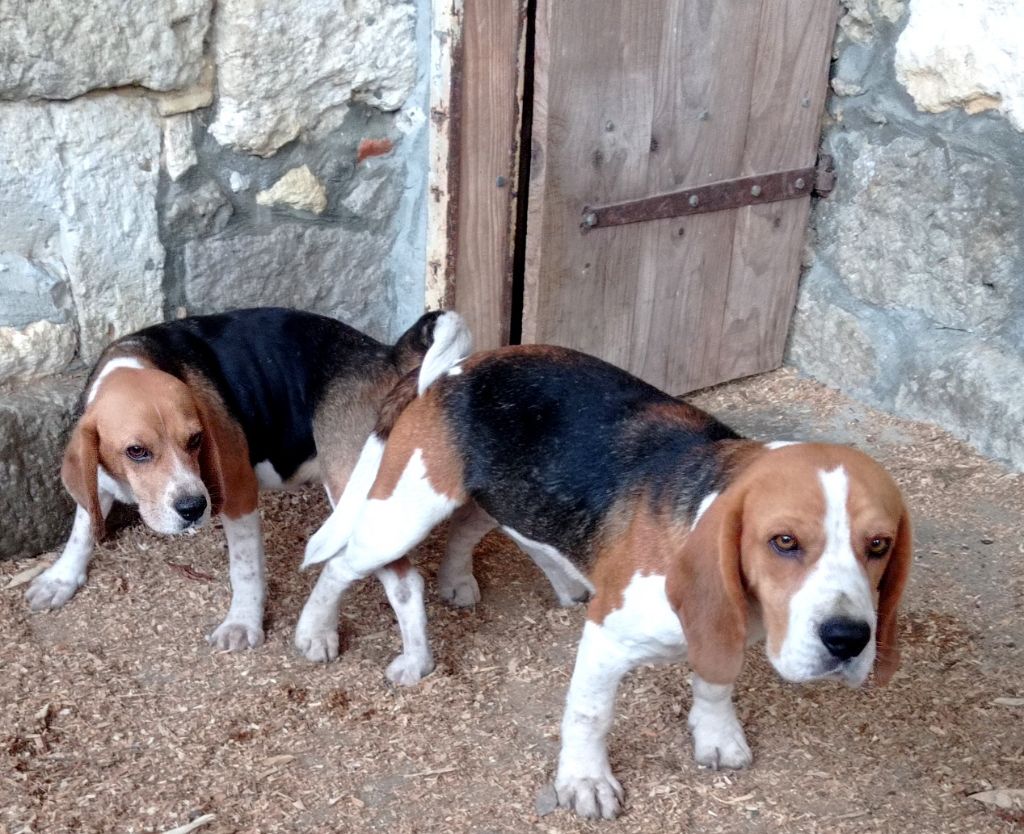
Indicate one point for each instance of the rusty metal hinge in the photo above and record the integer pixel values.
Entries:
(716, 196)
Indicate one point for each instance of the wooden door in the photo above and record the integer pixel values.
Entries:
(638, 98)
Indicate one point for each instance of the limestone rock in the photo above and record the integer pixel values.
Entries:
(299, 189)
(179, 149)
(325, 269)
(59, 49)
(95, 220)
(964, 53)
(896, 225)
(40, 348)
(976, 393)
(34, 422)
(196, 212)
(195, 97)
(283, 66)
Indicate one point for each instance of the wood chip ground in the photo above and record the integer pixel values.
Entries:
(115, 716)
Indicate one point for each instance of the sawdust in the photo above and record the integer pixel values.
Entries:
(116, 716)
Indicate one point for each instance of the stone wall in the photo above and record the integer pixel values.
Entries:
(190, 156)
(913, 299)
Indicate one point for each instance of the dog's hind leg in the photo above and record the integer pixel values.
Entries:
(402, 509)
(456, 583)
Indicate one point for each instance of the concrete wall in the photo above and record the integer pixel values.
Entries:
(913, 299)
(190, 156)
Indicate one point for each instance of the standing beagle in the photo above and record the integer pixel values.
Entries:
(691, 541)
(191, 418)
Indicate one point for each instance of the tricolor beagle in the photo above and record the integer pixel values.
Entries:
(691, 541)
(191, 418)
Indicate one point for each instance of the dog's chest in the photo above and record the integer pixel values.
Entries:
(645, 624)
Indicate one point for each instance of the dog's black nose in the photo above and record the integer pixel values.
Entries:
(843, 637)
(191, 507)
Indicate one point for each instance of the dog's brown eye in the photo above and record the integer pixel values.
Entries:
(195, 441)
(138, 453)
(878, 547)
(784, 544)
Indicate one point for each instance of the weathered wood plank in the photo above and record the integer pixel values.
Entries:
(790, 85)
(492, 78)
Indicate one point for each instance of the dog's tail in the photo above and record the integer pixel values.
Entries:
(442, 339)
(437, 338)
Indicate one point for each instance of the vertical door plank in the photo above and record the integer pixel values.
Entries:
(491, 99)
(790, 84)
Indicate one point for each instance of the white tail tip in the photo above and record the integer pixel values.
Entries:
(452, 343)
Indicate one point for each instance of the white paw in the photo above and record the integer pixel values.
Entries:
(48, 591)
(235, 636)
(318, 646)
(406, 670)
(461, 592)
(594, 796)
(719, 745)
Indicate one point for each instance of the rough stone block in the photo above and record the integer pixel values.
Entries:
(284, 67)
(79, 195)
(298, 189)
(916, 225)
(970, 55)
(60, 49)
(34, 423)
(976, 393)
(325, 269)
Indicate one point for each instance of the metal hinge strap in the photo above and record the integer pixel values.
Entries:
(716, 196)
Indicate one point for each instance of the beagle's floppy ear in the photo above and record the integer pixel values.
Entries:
(224, 459)
(890, 590)
(80, 472)
(705, 587)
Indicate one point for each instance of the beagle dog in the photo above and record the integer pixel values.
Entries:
(690, 541)
(191, 418)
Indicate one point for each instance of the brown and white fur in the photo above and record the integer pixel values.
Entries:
(692, 541)
(191, 418)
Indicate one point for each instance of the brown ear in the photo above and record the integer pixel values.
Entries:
(80, 474)
(224, 459)
(705, 587)
(890, 590)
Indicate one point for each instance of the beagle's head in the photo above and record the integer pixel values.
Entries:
(813, 539)
(141, 427)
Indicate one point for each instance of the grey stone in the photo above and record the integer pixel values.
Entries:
(978, 393)
(79, 195)
(34, 423)
(325, 269)
(276, 81)
(59, 49)
(199, 211)
(29, 292)
(915, 225)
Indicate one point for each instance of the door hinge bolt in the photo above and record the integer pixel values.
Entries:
(799, 183)
(693, 200)
(755, 190)
(589, 220)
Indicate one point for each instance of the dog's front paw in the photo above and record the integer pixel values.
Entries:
(232, 636)
(719, 745)
(407, 669)
(320, 646)
(49, 591)
(592, 795)
(461, 592)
